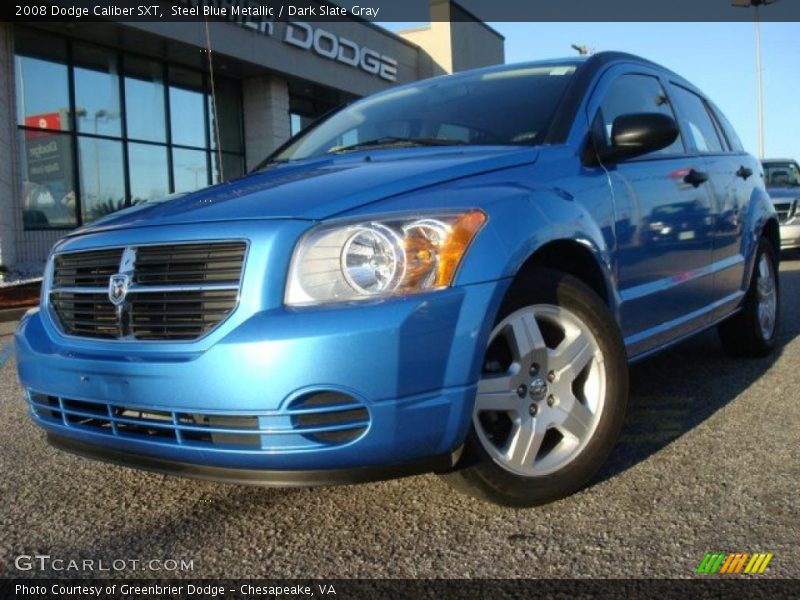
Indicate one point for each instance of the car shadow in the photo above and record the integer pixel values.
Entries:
(674, 391)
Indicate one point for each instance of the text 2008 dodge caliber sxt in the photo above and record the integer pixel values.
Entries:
(448, 276)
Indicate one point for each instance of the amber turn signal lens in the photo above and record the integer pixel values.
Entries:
(455, 245)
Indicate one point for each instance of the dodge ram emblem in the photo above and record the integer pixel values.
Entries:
(118, 288)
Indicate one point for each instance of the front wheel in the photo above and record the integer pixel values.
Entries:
(552, 396)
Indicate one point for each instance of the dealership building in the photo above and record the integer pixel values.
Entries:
(98, 116)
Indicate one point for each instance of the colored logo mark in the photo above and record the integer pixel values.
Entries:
(726, 563)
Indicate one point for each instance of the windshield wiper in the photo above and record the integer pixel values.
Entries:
(396, 142)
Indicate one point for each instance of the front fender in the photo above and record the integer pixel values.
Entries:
(522, 217)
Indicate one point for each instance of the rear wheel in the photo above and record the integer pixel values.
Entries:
(552, 395)
(753, 330)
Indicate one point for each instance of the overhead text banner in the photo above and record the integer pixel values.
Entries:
(411, 11)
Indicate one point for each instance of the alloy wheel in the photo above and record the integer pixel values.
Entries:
(767, 296)
(542, 391)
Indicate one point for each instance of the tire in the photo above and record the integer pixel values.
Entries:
(745, 334)
(516, 455)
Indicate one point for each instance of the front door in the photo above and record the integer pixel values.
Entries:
(664, 215)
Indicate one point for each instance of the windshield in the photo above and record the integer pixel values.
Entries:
(499, 107)
(782, 174)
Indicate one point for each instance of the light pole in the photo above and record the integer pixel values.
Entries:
(759, 80)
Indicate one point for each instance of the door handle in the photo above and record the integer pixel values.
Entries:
(696, 178)
(744, 172)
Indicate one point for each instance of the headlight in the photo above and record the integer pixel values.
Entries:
(354, 261)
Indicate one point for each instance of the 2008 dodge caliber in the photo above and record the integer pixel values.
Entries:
(448, 276)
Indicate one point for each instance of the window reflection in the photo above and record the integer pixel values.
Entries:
(41, 82)
(54, 174)
(96, 91)
(190, 169)
(48, 189)
(101, 177)
(298, 122)
(187, 108)
(144, 100)
(147, 169)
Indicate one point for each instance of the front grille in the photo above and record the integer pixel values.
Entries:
(786, 210)
(179, 315)
(86, 268)
(300, 427)
(189, 264)
(90, 315)
(171, 292)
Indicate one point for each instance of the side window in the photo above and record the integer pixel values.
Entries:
(637, 94)
(730, 132)
(696, 120)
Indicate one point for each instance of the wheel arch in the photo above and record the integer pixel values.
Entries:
(573, 257)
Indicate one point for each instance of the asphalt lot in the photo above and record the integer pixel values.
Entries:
(709, 461)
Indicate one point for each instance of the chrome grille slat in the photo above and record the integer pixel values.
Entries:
(86, 268)
(175, 292)
(190, 264)
(786, 210)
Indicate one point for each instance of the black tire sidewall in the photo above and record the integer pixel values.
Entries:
(764, 247)
(547, 286)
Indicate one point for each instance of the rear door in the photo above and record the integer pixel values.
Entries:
(732, 177)
(663, 218)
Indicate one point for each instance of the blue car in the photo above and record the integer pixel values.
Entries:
(449, 276)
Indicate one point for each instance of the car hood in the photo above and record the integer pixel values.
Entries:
(783, 192)
(314, 189)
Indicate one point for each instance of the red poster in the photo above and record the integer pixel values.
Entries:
(43, 121)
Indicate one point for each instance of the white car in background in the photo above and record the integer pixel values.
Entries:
(782, 177)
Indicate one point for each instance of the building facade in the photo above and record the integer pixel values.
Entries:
(98, 116)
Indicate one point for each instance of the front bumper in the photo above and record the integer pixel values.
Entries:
(408, 367)
(271, 478)
(790, 234)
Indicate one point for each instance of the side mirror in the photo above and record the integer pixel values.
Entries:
(637, 134)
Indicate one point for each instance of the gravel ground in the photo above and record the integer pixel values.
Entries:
(709, 461)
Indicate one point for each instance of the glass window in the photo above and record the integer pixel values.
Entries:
(48, 187)
(730, 132)
(232, 167)
(299, 122)
(148, 172)
(144, 100)
(102, 177)
(637, 94)
(781, 174)
(53, 176)
(522, 100)
(229, 114)
(187, 107)
(190, 169)
(696, 121)
(96, 91)
(41, 81)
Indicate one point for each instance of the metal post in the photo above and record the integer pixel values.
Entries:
(759, 84)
